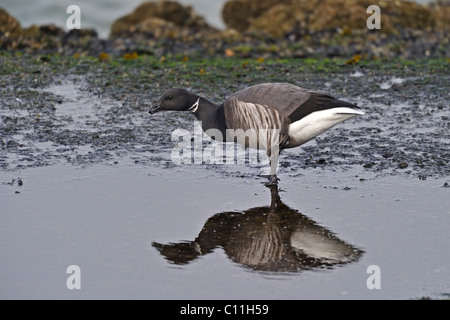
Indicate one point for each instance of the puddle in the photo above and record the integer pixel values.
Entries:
(76, 110)
(388, 84)
(141, 232)
(356, 74)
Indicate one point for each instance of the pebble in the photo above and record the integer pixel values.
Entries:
(402, 165)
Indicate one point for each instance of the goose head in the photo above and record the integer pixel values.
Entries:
(175, 99)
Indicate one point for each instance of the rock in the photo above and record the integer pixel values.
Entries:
(51, 30)
(338, 14)
(278, 18)
(43, 31)
(231, 35)
(403, 165)
(158, 27)
(333, 51)
(31, 31)
(237, 14)
(441, 13)
(77, 34)
(283, 18)
(160, 15)
(80, 40)
(256, 29)
(9, 26)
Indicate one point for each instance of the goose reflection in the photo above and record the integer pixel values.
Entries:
(273, 238)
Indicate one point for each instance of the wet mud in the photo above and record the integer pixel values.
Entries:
(83, 120)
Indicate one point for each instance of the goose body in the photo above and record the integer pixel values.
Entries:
(271, 116)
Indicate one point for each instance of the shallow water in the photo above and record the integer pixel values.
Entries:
(112, 222)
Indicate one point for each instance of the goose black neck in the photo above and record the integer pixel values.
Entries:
(211, 115)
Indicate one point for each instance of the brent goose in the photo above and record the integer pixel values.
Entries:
(275, 115)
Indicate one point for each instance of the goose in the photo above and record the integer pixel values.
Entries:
(270, 116)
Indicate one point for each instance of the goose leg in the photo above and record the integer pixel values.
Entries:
(273, 160)
(275, 201)
(273, 152)
(273, 181)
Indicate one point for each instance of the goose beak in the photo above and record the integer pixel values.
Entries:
(154, 109)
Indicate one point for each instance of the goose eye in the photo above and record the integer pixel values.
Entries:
(169, 98)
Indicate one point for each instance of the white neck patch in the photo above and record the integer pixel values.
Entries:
(194, 106)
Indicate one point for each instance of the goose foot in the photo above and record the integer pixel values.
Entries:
(273, 181)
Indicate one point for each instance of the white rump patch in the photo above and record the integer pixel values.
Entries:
(318, 122)
(318, 246)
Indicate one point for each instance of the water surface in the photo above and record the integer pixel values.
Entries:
(110, 220)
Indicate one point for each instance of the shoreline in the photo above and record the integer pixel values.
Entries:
(293, 29)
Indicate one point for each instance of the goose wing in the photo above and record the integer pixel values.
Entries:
(255, 125)
(290, 100)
